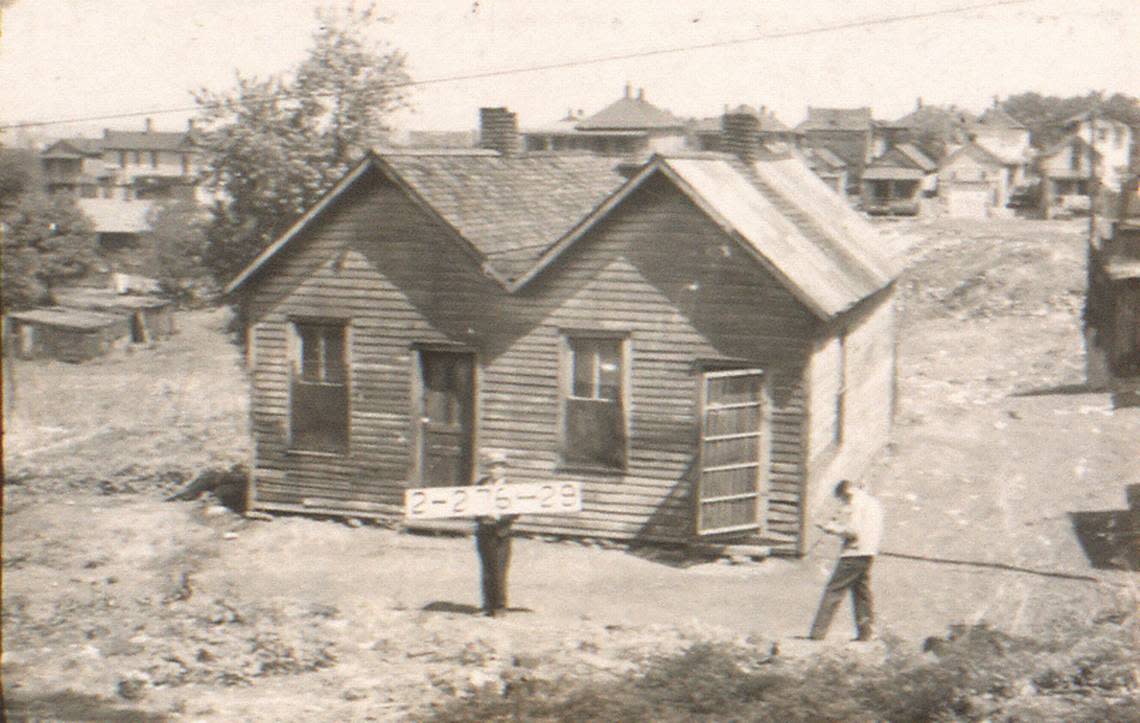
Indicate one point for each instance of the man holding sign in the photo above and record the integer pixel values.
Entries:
(493, 540)
(495, 506)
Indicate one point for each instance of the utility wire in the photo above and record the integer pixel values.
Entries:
(569, 63)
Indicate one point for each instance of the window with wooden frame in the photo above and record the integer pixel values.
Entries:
(594, 400)
(318, 389)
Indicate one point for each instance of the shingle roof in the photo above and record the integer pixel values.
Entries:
(917, 157)
(797, 227)
(143, 141)
(843, 119)
(905, 155)
(631, 113)
(510, 208)
(521, 212)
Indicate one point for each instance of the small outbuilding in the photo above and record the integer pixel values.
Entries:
(705, 342)
(149, 318)
(64, 334)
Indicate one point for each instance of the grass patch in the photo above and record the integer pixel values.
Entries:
(973, 673)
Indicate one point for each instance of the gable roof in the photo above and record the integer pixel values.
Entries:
(905, 155)
(1071, 140)
(794, 225)
(74, 148)
(997, 117)
(974, 150)
(520, 213)
(823, 157)
(504, 209)
(146, 141)
(631, 113)
(832, 119)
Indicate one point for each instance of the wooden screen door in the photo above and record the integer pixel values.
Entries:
(729, 494)
(446, 406)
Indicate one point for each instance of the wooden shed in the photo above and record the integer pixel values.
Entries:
(706, 345)
(64, 334)
(149, 318)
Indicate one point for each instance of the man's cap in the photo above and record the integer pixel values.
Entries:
(492, 456)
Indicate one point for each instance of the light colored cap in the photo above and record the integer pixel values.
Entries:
(492, 456)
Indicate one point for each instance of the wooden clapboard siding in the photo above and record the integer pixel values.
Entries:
(657, 270)
(868, 365)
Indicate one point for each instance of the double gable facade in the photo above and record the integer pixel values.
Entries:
(704, 342)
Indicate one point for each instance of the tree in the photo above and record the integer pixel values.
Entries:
(47, 240)
(175, 244)
(273, 146)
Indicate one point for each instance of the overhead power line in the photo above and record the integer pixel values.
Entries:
(834, 27)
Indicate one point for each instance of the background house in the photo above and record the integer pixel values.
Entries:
(894, 182)
(1007, 139)
(707, 134)
(846, 132)
(972, 182)
(629, 126)
(117, 178)
(1113, 140)
(830, 168)
(1066, 172)
(702, 345)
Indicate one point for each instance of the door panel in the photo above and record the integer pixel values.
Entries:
(446, 417)
(731, 472)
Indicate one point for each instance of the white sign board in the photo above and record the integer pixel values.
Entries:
(524, 498)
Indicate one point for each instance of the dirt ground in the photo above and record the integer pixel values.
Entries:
(117, 605)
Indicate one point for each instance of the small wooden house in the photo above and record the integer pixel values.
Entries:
(706, 344)
(64, 334)
(893, 183)
(972, 182)
(1066, 169)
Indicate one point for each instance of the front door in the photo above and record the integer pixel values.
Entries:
(730, 481)
(446, 414)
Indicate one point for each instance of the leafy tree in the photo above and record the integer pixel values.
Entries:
(1043, 115)
(174, 245)
(47, 240)
(19, 171)
(273, 146)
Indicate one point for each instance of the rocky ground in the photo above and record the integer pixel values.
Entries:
(1003, 489)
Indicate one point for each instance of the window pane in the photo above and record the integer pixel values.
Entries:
(609, 369)
(310, 352)
(334, 355)
(595, 433)
(584, 356)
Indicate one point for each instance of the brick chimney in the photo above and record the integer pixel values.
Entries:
(740, 135)
(499, 130)
(149, 125)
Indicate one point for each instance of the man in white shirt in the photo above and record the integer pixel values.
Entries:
(861, 528)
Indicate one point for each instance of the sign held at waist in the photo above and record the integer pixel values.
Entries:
(524, 498)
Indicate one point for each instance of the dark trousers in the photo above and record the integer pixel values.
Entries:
(854, 574)
(494, 559)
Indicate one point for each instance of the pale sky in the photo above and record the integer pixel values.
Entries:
(71, 58)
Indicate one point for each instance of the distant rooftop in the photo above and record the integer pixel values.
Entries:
(843, 119)
(631, 113)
